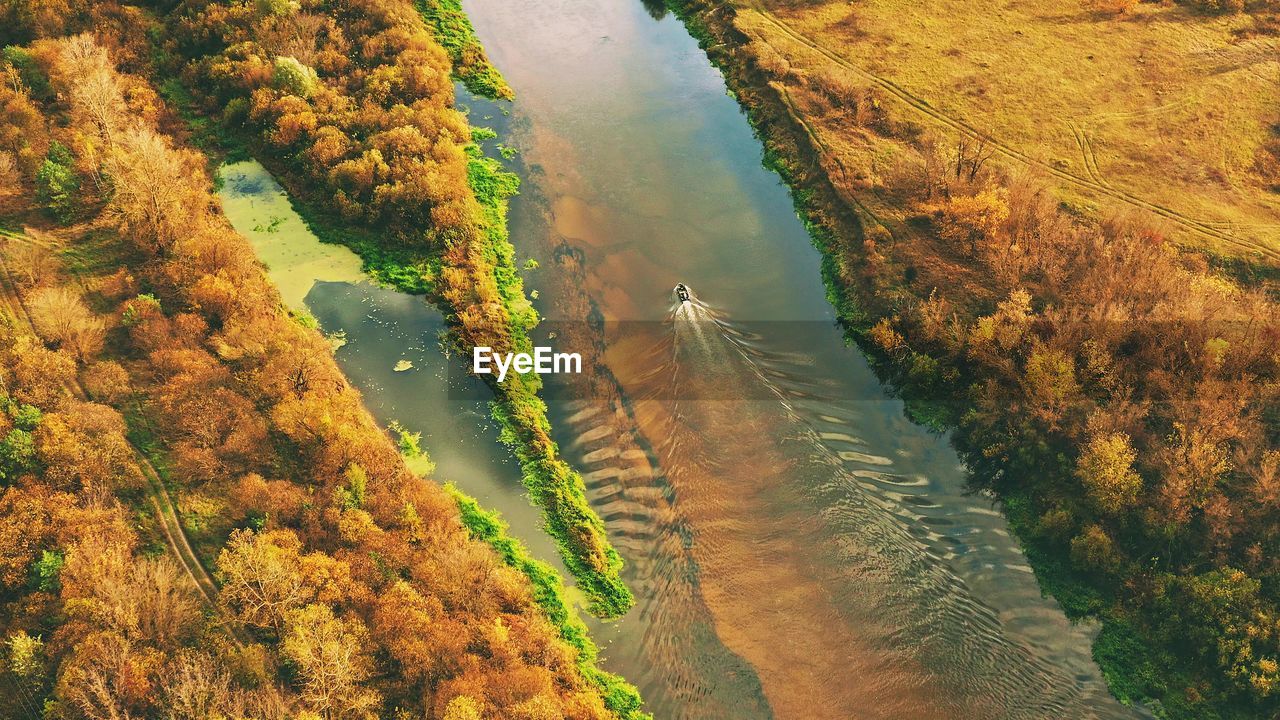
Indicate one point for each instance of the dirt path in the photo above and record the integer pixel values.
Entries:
(158, 495)
(1093, 184)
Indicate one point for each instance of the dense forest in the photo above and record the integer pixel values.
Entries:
(163, 413)
(352, 105)
(1117, 392)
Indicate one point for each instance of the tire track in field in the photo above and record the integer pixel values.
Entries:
(824, 150)
(922, 106)
(1087, 153)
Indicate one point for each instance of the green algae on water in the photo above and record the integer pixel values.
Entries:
(259, 209)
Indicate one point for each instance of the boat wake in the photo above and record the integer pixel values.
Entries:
(818, 559)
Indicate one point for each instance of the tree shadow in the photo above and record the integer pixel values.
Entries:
(657, 9)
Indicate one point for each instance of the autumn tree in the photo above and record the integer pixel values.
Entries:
(10, 175)
(462, 708)
(332, 662)
(261, 578)
(85, 449)
(974, 221)
(199, 685)
(168, 610)
(1193, 462)
(994, 339)
(1105, 467)
(152, 198)
(418, 633)
(109, 677)
(27, 517)
(106, 380)
(972, 154)
(1093, 549)
(23, 134)
(61, 317)
(27, 657)
(269, 503)
(40, 375)
(1222, 613)
(144, 600)
(97, 103)
(1050, 383)
(30, 262)
(276, 8)
(28, 19)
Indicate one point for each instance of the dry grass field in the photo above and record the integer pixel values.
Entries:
(1161, 109)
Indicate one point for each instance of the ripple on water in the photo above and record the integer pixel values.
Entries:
(839, 559)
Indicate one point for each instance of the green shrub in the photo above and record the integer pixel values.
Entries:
(293, 77)
(17, 454)
(32, 76)
(47, 569)
(58, 184)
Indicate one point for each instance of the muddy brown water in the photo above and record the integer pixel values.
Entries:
(797, 547)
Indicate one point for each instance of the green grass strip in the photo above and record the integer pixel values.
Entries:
(455, 33)
(522, 415)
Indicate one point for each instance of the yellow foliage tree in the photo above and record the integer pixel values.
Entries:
(462, 708)
(1106, 469)
(61, 317)
(1050, 382)
(974, 220)
(332, 662)
(261, 578)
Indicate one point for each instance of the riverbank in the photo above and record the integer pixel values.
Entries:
(297, 260)
(445, 239)
(1036, 396)
(183, 344)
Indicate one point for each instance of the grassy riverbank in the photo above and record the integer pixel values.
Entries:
(522, 415)
(426, 212)
(454, 32)
(548, 589)
(403, 185)
(1132, 459)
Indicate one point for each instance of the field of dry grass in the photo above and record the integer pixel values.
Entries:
(1162, 109)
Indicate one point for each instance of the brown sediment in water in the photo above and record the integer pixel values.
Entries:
(756, 576)
(576, 218)
(754, 566)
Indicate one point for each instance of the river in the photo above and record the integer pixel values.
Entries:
(797, 547)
